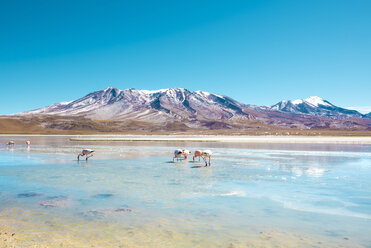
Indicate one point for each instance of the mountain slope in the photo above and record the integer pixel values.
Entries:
(154, 106)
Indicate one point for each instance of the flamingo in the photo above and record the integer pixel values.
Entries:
(206, 154)
(203, 154)
(85, 152)
(186, 153)
(28, 142)
(179, 152)
(196, 154)
(11, 143)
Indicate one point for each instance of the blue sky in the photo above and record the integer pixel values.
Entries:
(258, 52)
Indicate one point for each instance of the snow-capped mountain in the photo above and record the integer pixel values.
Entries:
(180, 109)
(315, 106)
(155, 106)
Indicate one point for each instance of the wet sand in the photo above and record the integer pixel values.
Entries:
(14, 232)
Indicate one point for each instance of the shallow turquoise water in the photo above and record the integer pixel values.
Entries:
(323, 194)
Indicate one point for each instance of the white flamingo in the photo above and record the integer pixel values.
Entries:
(186, 153)
(85, 152)
(207, 154)
(179, 152)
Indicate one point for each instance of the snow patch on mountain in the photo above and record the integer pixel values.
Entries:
(316, 101)
(298, 101)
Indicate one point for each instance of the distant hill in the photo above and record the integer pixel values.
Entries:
(316, 106)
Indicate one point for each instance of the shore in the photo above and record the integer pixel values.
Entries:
(230, 139)
(142, 237)
(7, 239)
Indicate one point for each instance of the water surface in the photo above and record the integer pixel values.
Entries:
(132, 195)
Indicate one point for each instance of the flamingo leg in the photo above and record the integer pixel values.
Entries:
(204, 161)
(78, 157)
(88, 157)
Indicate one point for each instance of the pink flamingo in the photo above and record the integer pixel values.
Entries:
(203, 154)
(196, 154)
(85, 152)
(28, 142)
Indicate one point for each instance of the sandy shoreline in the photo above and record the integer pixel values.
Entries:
(233, 139)
(242, 139)
(138, 238)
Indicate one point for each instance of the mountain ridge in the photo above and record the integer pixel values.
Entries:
(174, 102)
(201, 109)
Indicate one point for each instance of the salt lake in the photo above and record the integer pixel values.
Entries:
(131, 194)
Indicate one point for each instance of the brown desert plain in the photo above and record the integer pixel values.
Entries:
(79, 125)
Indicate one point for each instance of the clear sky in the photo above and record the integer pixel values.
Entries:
(257, 52)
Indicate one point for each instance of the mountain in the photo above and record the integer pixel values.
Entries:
(112, 110)
(315, 106)
(145, 105)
